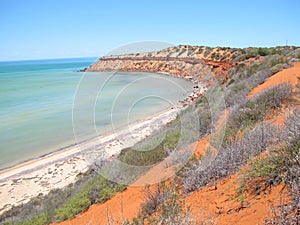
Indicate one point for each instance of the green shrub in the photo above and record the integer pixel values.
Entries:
(213, 55)
(271, 169)
(205, 117)
(77, 204)
(60, 205)
(256, 67)
(98, 189)
(253, 52)
(143, 158)
(280, 165)
(238, 87)
(263, 51)
(146, 157)
(37, 220)
(274, 62)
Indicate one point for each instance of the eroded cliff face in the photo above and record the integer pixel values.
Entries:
(194, 63)
(172, 66)
(202, 65)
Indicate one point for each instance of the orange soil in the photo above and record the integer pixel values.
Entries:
(164, 170)
(202, 145)
(221, 205)
(126, 204)
(277, 116)
(286, 75)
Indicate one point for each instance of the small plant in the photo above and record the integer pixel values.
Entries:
(230, 158)
(254, 110)
(165, 205)
(146, 155)
(263, 51)
(37, 220)
(98, 189)
(153, 198)
(282, 215)
(281, 165)
(60, 205)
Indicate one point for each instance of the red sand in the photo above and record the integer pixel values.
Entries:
(222, 206)
(286, 75)
(124, 205)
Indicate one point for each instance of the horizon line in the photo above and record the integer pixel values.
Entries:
(81, 57)
(54, 58)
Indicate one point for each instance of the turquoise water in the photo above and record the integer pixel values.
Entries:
(46, 105)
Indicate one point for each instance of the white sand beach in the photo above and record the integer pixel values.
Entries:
(57, 170)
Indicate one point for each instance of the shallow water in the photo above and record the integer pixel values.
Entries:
(46, 105)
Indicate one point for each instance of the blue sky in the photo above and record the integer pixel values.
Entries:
(33, 29)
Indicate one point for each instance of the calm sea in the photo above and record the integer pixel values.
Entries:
(46, 105)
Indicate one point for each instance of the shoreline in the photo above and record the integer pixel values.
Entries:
(20, 183)
(68, 150)
(58, 169)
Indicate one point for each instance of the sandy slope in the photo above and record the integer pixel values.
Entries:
(284, 76)
(126, 205)
(220, 205)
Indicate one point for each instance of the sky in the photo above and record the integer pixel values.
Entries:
(39, 29)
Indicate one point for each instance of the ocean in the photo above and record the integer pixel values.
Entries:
(46, 105)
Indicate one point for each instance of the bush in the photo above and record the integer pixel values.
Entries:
(152, 199)
(37, 220)
(60, 205)
(37, 207)
(77, 204)
(205, 117)
(98, 189)
(165, 205)
(238, 90)
(254, 52)
(253, 110)
(237, 151)
(281, 165)
(174, 136)
(146, 155)
(230, 158)
(266, 64)
(143, 158)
